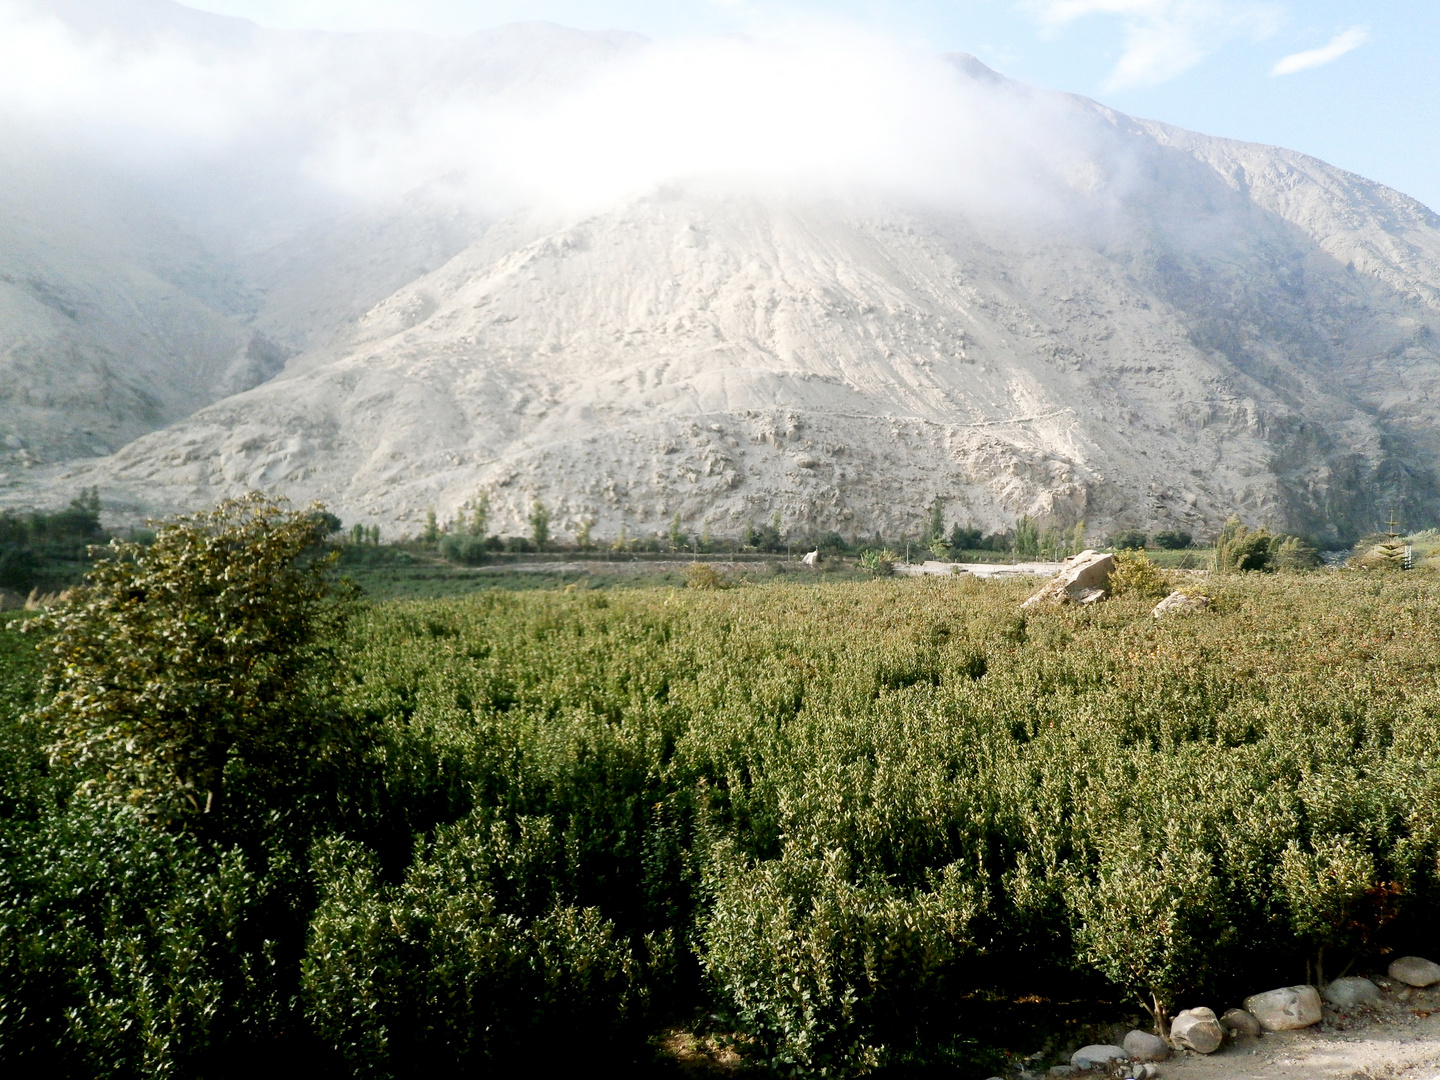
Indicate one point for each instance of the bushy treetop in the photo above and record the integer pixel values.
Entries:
(180, 658)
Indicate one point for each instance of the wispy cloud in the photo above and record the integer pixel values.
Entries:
(1312, 58)
(1164, 38)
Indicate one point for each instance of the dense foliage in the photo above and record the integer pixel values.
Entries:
(49, 550)
(838, 817)
(195, 655)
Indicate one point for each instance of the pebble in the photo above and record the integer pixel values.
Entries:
(1351, 992)
(1415, 971)
(1143, 1046)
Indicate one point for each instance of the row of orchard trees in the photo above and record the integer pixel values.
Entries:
(467, 539)
(245, 820)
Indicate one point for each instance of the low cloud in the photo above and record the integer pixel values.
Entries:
(1343, 43)
(1164, 38)
(541, 116)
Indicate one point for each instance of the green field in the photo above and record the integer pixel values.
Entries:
(844, 827)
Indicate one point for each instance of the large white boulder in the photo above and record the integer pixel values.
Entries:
(1198, 1030)
(1285, 1009)
(1083, 579)
(1415, 971)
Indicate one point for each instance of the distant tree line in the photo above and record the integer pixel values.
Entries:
(42, 549)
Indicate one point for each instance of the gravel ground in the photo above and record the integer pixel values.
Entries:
(1399, 1039)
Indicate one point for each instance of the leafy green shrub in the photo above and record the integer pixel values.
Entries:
(471, 960)
(1129, 539)
(1240, 548)
(1326, 890)
(1152, 922)
(1135, 575)
(1293, 553)
(1173, 539)
(878, 563)
(129, 951)
(831, 975)
(202, 653)
(700, 575)
(464, 548)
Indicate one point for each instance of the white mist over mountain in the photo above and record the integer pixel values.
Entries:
(532, 115)
(806, 271)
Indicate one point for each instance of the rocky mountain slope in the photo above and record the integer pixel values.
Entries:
(1168, 329)
(154, 261)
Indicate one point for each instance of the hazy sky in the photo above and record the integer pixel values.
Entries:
(1357, 84)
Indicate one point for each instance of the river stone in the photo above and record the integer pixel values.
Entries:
(1352, 992)
(1142, 1046)
(1285, 1009)
(1087, 1057)
(1242, 1023)
(1413, 971)
(1198, 1030)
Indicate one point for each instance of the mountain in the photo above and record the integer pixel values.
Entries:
(1165, 329)
(145, 275)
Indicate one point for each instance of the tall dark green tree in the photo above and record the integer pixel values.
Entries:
(540, 525)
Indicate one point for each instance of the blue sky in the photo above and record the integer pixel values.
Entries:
(1357, 84)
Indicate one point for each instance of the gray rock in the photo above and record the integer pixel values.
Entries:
(1143, 1046)
(1178, 602)
(1242, 1023)
(1352, 992)
(1063, 1070)
(1198, 1030)
(1285, 1009)
(1148, 1072)
(1083, 579)
(1414, 971)
(1087, 1057)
